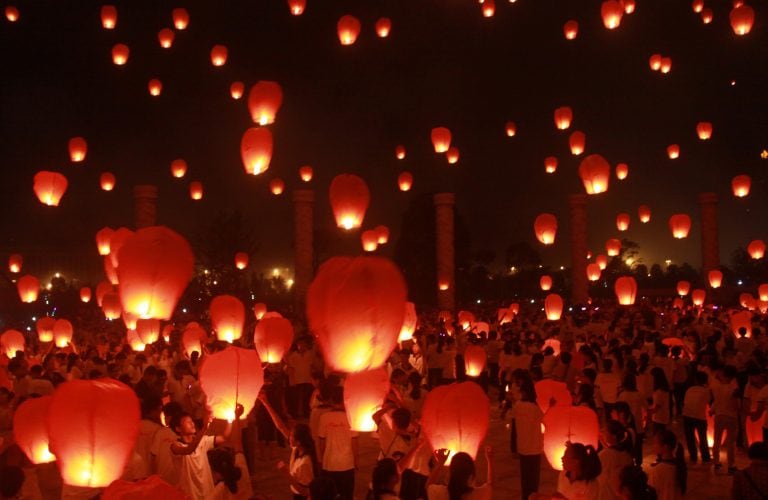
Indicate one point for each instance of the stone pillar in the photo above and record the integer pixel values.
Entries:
(710, 246)
(145, 205)
(303, 249)
(446, 282)
(577, 204)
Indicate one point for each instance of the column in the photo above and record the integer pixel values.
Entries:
(446, 283)
(710, 246)
(577, 204)
(145, 205)
(303, 250)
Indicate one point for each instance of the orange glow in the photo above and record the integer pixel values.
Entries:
(704, 130)
(165, 37)
(276, 186)
(103, 237)
(644, 213)
(178, 168)
(577, 142)
(219, 54)
(259, 310)
(622, 171)
(553, 307)
(349, 198)
(595, 173)
(655, 62)
(706, 15)
(452, 155)
(155, 87)
(742, 18)
(30, 430)
(107, 181)
(306, 173)
(180, 18)
(120, 53)
(571, 29)
(405, 181)
(297, 7)
(629, 6)
(613, 247)
(715, 278)
(602, 260)
(11, 13)
(622, 222)
(683, 288)
(369, 240)
(762, 291)
(85, 294)
(680, 225)
(488, 8)
(231, 377)
(698, 296)
(348, 29)
(666, 65)
(227, 317)
(611, 11)
(548, 390)
(364, 395)
(102, 289)
(241, 260)
(382, 233)
(196, 190)
(550, 164)
(545, 227)
(77, 149)
(256, 150)
(545, 283)
(62, 333)
(383, 27)
(511, 129)
(12, 341)
(148, 330)
(28, 287)
(410, 320)
(110, 305)
(15, 261)
(626, 290)
(475, 359)
(741, 185)
(673, 151)
(192, 338)
(756, 249)
(563, 118)
(698, 6)
(593, 272)
(564, 424)
(441, 139)
(108, 17)
(264, 101)
(400, 152)
(272, 339)
(236, 90)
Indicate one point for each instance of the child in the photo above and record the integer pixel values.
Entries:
(581, 468)
(670, 475)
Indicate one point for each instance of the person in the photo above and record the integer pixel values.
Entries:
(141, 464)
(634, 440)
(302, 465)
(527, 418)
(461, 478)
(386, 475)
(415, 396)
(607, 386)
(660, 409)
(633, 484)
(145, 387)
(167, 465)
(299, 365)
(11, 481)
(669, 476)
(614, 457)
(761, 399)
(638, 405)
(227, 476)
(695, 404)
(725, 411)
(274, 389)
(338, 446)
(323, 488)
(581, 468)
(752, 482)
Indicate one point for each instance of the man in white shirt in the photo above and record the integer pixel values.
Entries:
(725, 410)
(695, 404)
(338, 446)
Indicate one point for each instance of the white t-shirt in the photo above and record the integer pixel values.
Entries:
(440, 492)
(724, 403)
(334, 428)
(577, 490)
(166, 464)
(608, 386)
(301, 470)
(696, 401)
(195, 478)
(612, 461)
(663, 477)
(661, 410)
(527, 416)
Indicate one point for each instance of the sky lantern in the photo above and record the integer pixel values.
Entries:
(741, 185)
(625, 288)
(452, 155)
(747, 301)
(110, 271)
(130, 320)
(577, 142)
(369, 240)
(742, 18)
(348, 29)
(762, 291)
(108, 17)
(110, 305)
(241, 260)
(62, 333)
(698, 296)
(706, 15)
(155, 87)
(475, 359)
(165, 37)
(563, 117)
(382, 233)
(510, 128)
(595, 173)
(673, 151)
(611, 11)
(15, 261)
(30, 430)
(741, 319)
(564, 424)
(400, 152)
(102, 289)
(405, 181)
(120, 53)
(383, 27)
(683, 288)
(593, 272)
(178, 168)
(441, 139)
(602, 261)
(86, 294)
(698, 6)
(488, 8)
(231, 377)
(227, 317)
(629, 6)
(180, 18)
(116, 242)
(192, 338)
(410, 320)
(92, 427)
(11, 13)
(272, 339)
(549, 391)
(156, 264)
(133, 340)
(756, 249)
(276, 186)
(545, 282)
(666, 65)
(655, 62)
(355, 307)
(550, 164)
(219, 54)
(553, 307)
(613, 247)
(715, 277)
(349, 198)
(78, 148)
(259, 310)
(545, 227)
(44, 327)
(622, 171)
(571, 29)
(148, 330)
(107, 181)
(455, 417)
(680, 225)
(103, 237)
(28, 287)
(306, 173)
(236, 90)
(622, 221)
(256, 150)
(196, 190)
(644, 213)
(704, 130)
(264, 101)
(364, 395)
(297, 7)
(465, 319)
(11, 342)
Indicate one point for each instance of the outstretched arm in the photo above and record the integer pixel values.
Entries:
(279, 423)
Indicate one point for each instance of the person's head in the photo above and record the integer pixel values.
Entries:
(701, 378)
(150, 374)
(5, 396)
(36, 371)
(566, 358)
(461, 475)
(670, 450)
(323, 488)
(170, 410)
(415, 348)
(581, 462)
(665, 443)
(660, 382)
(151, 407)
(337, 396)
(301, 438)
(223, 468)
(398, 377)
(385, 477)
(615, 432)
(629, 383)
(633, 484)
(11, 480)
(401, 418)
(183, 424)
(621, 412)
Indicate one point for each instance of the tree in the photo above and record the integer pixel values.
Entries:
(521, 255)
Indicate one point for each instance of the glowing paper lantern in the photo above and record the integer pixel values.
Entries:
(148, 330)
(120, 53)
(545, 227)
(382, 234)
(545, 282)
(272, 338)
(571, 29)
(564, 424)
(92, 427)
(355, 307)
(165, 37)
(77, 149)
(306, 173)
(655, 62)
(15, 261)
(348, 29)
(550, 391)
(227, 317)
(192, 339)
(110, 305)
(626, 290)
(30, 430)
(370, 240)
(673, 151)
(455, 417)
(349, 198)
(622, 221)
(475, 359)
(644, 213)
(196, 190)
(178, 168)
(577, 142)
(116, 241)
(231, 377)
(219, 54)
(156, 264)
(683, 288)
(704, 130)
(405, 181)
(410, 320)
(629, 6)
(756, 249)
(622, 171)
(593, 272)
(715, 278)
(28, 287)
(49, 187)
(264, 101)
(563, 117)
(12, 341)
(383, 27)
(742, 18)
(256, 150)
(400, 152)
(297, 7)
(108, 17)
(612, 11)
(452, 155)
(44, 327)
(595, 173)
(62, 333)
(241, 260)
(602, 260)
(511, 129)
(553, 307)
(762, 291)
(155, 87)
(107, 181)
(706, 15)
(739, 320)
(276, 186)
(465, 319)
(698, 6)
(364, 394)
(747, 301)
(550, 164)
(102, 289)
(613, 247)
(441, 139)
(666, 65)
(678, 303)
(259, 310)
(698, 296)
(12, 13)
(236, 90)
(741, 185)
(488, 8)
(680, 225)
(180, 18)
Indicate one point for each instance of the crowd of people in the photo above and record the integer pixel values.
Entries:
(619, 363)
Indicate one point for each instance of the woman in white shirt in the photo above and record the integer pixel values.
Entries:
(581, 467)
(461, 478)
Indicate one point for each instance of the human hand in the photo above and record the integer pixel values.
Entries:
(441, 455)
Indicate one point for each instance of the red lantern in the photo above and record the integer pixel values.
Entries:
(120, 53)
(455, 417)
(277, 186)
(400, 152)
(92, 427)
(747, 301)
(364, 395)
(355, 307)
(156, 264)
(626, 290)
(15, 261)
(49, 187)
(108, 17)
(102, 289)
(545, 282)
(762, 291)
(306, 173)
(673, 151)
(613, 247)
(563, 118)
(236, 90)
(756, 249)
(741, 185)
(680, 225)
(107, 181)
(595, 173)
(622, 171)
(77, 149)
(148, 330)
(550, 164)
(180, 18)
(739, 320)
(196, 190)
(545, 227)
(44, 327)
(655, 62)
(698, 296)
(165, 37)
(553, 307)
(706, 15)
(704, 130)
(116, 241)
(383, 27)
(405, 181)
(231, 377)
(465, 320)
(178, 168)
(28, 287)
(348, 29)
(683, 288)
(452, 155)
(644, 213)
(155, 87)
(475, 359)
(715, 278)
(151, 487)
(622, 221)
(577, 142)
(441, 139)
(612, 11)
(264, 101)
(259, 310)
(110, 305)
(511, 129)
(698, 6)
(241, 260)
(550, 391)
(409, 322)
(62, 333)
(272, 338)
(488, 8)
(382, 233)
(349, 197)
(30, 430)
(369, 240)
(11, 14)
(219, 54)
(568, 424)
(571, 29)
(256, 150)
(227, 317)
(110, 271)
(629, 6)
(11, 342)
(192, 338)
(297, 6)
(593, 272)
(742, 18)
(666, 65)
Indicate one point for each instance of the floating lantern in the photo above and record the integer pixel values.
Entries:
(236, 90)
(155, 87)
(626, 290)
(644, 213)
(148, 330)
(706, 15)
(369, 240)
(739, 320)
(306, 173)
(120, 53)
(612, 11)
(683, 288)
(364, 395)
(602, 260)
(256, 150)
(165, 37)
(622, 221)
(673, 151)
(405, 181)
(348, 29)
(622, 171)
(571, 29)
(297, 7)
(28, 287)
(629, 6)
(698, 296)
(349, 198)
(410, 320)
(488, 8)
(15, 261)
(78, 148)
(277, 186)
(229, 378)
(62, 333)
(264, 101)
(441, 139)
(11, 342)
(85, 294)
(680, 225)
(563, 117)
(741, 185)
(44, 327)
(178, 168)
(577, 142)
(102, 289)
(382, 233)
(550, 164)
(511, 129)
(762, 291)
(241, 260)
(551, 392)
(400, 152)
(698, 6)
(196, 190)
(259, 310)
(553, 307)
(192, 339)
(613, 247)
(49, 187)
(704, 130)
(272, 338)
(655, 62)
(545, 227)
(545, 283)
(180, 18)
(568, 424)
(12, 13)
(595, 173)
(30, 431)
(219, 54)
(593, 272)
(107, 181)
(475, 359)
(742, 18)
(108, 17)
(715, 277)
(227, 317)
(756, 249)
(666, 65)
(383, 27)
(110, 305)
(452, 155)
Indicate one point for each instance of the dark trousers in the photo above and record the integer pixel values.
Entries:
(530, 470)
(298, 400)
(434, 376)
(694, 427)
(413, 485)
(344, 481)
(637, 452)
(679, 392)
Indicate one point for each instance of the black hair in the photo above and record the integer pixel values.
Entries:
(462, 469)
(150, 403)
(414, 378)
(303, 435)
(401, 417)
(629, 383)
(383, 472)
(660, 381)
(633, 481)
(590, 462)
(668, 438)
(566, 357)
(701, 378)
(617, 430)
(177, 418)
(222, 461)
(150, 370)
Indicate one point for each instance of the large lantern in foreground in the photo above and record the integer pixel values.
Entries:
(545, 227)
(680, 225)
(564, 424)
(231, 377)
(553, 307)
(364, 394)
(256, 150)
(348, 29)
(155, 266)
(742, 18)
(595, 173)
(49, 187)
(272, 338)
(30, 430)
(227, 317)
(475, 359)
(12, 341)
(355, 306)
(264, 101)
(626, 290)
(455, 417)
(92, 427)
(349, 198)
(28, 287)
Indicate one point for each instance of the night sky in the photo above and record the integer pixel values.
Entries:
(346, 108)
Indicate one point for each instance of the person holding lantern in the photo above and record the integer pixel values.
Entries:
(461, 478)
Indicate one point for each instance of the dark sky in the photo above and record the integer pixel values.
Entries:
(346, 108)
